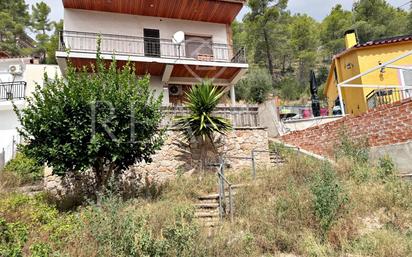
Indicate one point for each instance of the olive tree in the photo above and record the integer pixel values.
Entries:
(101, 119)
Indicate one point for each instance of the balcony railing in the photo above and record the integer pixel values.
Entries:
(12, 90)
(149, 47)
(240, 117)
(385, 96)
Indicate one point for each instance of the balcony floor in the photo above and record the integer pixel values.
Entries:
(168, 69)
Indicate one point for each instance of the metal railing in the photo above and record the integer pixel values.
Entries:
(149, 47)
(386, 96)
(225, 208)
(12, 90)
(240, 117)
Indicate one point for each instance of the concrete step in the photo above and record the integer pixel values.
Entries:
(209, 197)
(206, 214)
(207, 205)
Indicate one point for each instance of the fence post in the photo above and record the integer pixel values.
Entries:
(253, 164)
(12, 148)
(2, 159)
(231, 203)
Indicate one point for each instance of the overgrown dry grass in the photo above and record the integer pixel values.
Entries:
(304, 208)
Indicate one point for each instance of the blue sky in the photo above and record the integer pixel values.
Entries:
(315, 8)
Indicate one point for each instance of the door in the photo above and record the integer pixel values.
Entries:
(198, 47)
(151, 42)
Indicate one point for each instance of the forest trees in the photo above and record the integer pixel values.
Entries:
(16, 23)
(14, 18)
(289, 46)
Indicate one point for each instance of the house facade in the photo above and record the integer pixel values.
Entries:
(371, 80)
(179, 43)
(18, 79)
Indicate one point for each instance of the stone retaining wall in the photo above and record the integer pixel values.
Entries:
(177, 157)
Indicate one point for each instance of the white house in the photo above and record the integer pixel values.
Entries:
(177, 42)
(18, 79)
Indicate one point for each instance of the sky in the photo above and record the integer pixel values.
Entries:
(318, 9)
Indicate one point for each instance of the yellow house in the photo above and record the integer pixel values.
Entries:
(367, 69)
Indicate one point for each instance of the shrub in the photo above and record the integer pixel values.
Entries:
(329, 197)
(256, 87)
(290, 89)
(40, 250)
(355, 149)
(386, 167)
(13, 237)
(27, 169)
(105, 122)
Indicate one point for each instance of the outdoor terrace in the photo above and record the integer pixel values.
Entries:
(240, 117)
(205, 51)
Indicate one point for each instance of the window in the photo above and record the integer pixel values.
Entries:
(407, 81)
(199, 47)
(151, 42)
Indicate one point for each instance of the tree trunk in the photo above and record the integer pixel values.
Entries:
(269, 55)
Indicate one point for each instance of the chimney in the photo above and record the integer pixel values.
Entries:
(351, 39)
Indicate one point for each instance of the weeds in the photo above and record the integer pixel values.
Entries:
(329, 198)
(305, 208)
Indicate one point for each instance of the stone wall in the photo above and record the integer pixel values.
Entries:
(386, 125)
(178, 157)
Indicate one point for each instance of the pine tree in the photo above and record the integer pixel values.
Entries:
(41, 25)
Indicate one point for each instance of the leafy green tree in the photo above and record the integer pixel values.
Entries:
(263, 16)
(376, 19)
(305, 41)
(333, 28)
(41, 25)
(104, 122)
(201, 125)
(53, 44)
(255, 87)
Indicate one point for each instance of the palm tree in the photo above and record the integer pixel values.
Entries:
(201, 125)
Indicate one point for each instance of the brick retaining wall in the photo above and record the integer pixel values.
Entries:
(385, 125)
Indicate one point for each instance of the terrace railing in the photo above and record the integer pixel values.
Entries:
(240, 117)
(12, 90)
(149, 47)
(385, 96)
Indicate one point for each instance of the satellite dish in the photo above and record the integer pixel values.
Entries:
(178, 37)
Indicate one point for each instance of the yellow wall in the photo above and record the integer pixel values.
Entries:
(364, 59)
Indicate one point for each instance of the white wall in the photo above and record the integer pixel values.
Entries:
(133, 25)
(158, 86)
(32, 74)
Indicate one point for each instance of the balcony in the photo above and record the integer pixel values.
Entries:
(205, 51)
(386, 96)
(12, 91)
(240, 117)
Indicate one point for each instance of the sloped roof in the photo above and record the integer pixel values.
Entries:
(385, 41)
(377, 42)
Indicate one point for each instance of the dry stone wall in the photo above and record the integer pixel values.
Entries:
(177, 157)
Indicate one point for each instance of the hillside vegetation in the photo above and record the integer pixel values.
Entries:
(303, 208)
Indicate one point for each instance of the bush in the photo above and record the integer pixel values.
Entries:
(329, 197)
(102, 122)
(354, 149)
(256, 87)
(13, 237)
(27, 169)
(290, 89)
(386, 167)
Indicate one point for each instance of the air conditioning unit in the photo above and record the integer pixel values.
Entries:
(175, 90)
(15, 69)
